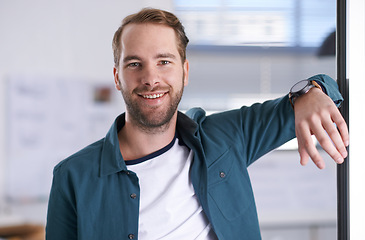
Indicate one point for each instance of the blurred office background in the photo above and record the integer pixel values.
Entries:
(57, 93)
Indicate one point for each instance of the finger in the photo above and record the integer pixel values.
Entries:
(337, 141)
(304, 157)
(327, 139)
(307, 148)
(342, 127)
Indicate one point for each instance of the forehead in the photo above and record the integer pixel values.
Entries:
(147, 38)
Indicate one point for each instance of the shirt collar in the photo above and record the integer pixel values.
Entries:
(111, 159)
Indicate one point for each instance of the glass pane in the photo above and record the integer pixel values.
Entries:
(289, 23)
(317, 21)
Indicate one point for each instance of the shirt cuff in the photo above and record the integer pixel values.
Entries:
(329, 87)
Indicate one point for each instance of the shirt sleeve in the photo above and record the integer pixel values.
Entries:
(271, 124)
(258, 129)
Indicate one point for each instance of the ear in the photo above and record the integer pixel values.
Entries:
(116, 79)
(186, 72)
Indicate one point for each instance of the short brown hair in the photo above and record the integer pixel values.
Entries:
(157, 16)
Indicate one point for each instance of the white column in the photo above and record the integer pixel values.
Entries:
(356, 75)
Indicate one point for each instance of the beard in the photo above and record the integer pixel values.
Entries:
(153, 119)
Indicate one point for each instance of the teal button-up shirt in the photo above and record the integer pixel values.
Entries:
(95, 196)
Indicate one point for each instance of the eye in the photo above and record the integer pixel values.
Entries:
(134, 65)
(164, 62)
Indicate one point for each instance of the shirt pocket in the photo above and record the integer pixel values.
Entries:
(229, 186)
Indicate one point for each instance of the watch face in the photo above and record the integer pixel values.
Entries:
(299, 86)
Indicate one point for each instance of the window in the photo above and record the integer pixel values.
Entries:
(281, 23)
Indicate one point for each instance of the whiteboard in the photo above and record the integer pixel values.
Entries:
(48, 119)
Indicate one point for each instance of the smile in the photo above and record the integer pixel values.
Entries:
(153, 96)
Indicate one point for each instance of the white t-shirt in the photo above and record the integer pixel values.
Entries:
(169, 208)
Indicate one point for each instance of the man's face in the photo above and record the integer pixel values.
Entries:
(151, 75)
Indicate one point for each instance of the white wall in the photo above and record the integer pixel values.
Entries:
(60, 37)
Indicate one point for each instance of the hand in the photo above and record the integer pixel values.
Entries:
(315, 113)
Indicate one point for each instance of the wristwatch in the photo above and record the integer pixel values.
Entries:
(300, 88)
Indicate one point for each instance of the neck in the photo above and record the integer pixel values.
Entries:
(136, 142)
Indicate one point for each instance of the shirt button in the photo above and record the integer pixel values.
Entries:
(131, 236)
(222, 174)
(133, 195)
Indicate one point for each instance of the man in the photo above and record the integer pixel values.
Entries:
(159, 174)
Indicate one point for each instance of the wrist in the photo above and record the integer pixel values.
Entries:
(301, 88)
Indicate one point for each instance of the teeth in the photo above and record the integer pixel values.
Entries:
(153, 96)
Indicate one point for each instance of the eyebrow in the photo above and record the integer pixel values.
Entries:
(160, 55)
(132, 57)
(165, 55)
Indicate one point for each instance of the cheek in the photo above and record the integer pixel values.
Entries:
(175, 77)
(126, 81)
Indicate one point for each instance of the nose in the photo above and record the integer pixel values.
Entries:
(150, 76)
